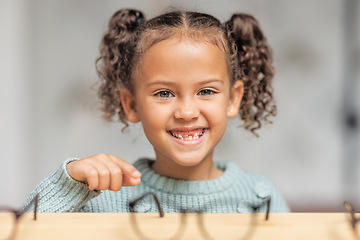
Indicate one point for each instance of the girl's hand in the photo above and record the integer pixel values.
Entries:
(104, 172)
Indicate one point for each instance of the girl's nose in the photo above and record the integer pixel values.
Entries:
(186, 110)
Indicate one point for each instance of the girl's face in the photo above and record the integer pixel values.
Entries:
(183, 98)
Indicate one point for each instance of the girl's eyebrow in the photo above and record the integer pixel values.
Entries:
(169, 83)
(161, 83)
(211, 81)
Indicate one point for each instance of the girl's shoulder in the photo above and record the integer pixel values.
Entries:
(255, 182)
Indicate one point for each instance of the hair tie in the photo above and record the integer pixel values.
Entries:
(229, 25)
(139, 20)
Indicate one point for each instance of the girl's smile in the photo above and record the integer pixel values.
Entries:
(183, 98)
(189, 136)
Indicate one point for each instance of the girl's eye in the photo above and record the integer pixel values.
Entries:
(164, 94)
(206, 92)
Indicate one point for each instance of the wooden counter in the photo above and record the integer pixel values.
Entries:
(105, 226)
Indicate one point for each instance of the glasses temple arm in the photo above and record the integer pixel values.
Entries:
(34, 201)
(134, 202)
(158, 205)
(350, 209)
(267, 208)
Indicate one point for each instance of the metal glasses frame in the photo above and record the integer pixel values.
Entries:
(200, 221)
(353, 219)
(19, 213)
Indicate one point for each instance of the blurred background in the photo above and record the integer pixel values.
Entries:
(49, 107)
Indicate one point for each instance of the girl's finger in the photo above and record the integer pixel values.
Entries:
(103, 174)
(129, 181)
(116, 174)
(91, 176)
(127, 168)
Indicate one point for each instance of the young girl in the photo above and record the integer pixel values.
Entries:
(182, 75)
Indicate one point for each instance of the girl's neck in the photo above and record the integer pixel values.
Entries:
(205, 170)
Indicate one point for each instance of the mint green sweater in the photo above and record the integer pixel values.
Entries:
(232, 192)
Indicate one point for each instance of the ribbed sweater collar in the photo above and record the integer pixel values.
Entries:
(183, 187)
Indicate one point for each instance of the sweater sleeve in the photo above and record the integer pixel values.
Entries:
(61, 193)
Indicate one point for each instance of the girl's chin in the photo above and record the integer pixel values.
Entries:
(189, 162)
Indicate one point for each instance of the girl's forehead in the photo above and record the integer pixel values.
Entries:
(179, 52)
(187, 48)
(185, 60)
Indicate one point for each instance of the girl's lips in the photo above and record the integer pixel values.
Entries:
(188, 137)
(188, 134)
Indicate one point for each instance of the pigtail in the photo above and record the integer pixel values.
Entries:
(254, 68)
(114, 64)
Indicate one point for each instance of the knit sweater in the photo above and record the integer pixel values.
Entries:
(234, 191)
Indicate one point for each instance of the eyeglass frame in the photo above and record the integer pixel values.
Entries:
(19, 213)
(178, 233)
(353, 219)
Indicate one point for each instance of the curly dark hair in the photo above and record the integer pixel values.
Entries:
(241, 39)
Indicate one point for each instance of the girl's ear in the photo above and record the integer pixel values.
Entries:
(236, 95)
(129, 104)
